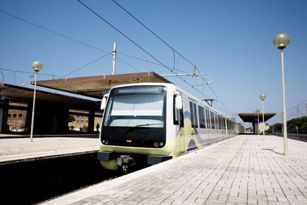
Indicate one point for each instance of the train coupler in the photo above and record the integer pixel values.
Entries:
(125, 162)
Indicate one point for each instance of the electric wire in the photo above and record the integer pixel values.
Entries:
(140, 59)
(2, 77)
(98, 49)
(299, 110)
(125, 62)
(52, 31)
(28, 73)
(87, 64)
(71, 38)
(151, 31)
(137, 45)
(171, 47)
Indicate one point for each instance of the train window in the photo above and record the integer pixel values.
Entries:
(181, 118)
(175, 112)
(202, 120)
(208, 119)
(228, 126)
(193, 114)
(223, 123)
(212, 120)
(178, 115)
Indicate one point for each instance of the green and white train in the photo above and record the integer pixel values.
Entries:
(147, 123)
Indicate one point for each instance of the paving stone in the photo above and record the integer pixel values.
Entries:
(246, 169)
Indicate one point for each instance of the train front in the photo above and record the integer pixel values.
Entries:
(134, 127)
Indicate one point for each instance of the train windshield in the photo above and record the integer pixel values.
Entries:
(136, 106)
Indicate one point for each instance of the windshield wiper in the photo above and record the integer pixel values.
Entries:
(147, 124)
(142, 125)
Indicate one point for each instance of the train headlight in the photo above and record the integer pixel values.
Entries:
(105, 142)
(158, 144)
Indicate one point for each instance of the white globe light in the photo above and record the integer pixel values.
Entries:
(281, 40)
(262, 97)
(37, 66)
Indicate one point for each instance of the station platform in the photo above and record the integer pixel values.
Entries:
(246, 169)
(14, 150)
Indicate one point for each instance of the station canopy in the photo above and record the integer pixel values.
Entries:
(97, 86)
(14, 92)
(253, 117)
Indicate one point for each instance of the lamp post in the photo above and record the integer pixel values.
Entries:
(262, 98)
(36, 66)
(258, 111)
(281, 41)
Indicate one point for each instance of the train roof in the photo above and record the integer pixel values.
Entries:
(184, 93)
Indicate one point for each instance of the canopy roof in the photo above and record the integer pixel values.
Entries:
(96, 86)
(8, 91)
(253, 117)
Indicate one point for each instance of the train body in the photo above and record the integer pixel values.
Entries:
(147, 123)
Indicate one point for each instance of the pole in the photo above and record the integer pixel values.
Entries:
(284, 115)
(113, 58)
(226, 127)
(33, 107)
(258, 123)
(263, 118)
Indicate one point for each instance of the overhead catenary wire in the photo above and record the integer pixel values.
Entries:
(28, 73)
(172, 48)
(296, 111)
(137, 45)
(151, 31)
(87, 64)
(123, 61)
(99, 49)
(52, 31)
(65, 36)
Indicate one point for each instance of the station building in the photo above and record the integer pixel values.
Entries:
(54, 113)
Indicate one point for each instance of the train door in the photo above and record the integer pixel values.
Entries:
(179, 122)
(194, 126)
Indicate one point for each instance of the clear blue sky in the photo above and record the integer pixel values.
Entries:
(230, 41)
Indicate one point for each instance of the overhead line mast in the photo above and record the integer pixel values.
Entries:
(113, 58)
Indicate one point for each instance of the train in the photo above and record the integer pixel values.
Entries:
(148, 123)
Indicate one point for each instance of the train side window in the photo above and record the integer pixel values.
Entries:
(208, 118)
(181, 118)
(175, 112)
(202, 120)
(212, 120)
(193, 114)
(228, 126)
(178, 114)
